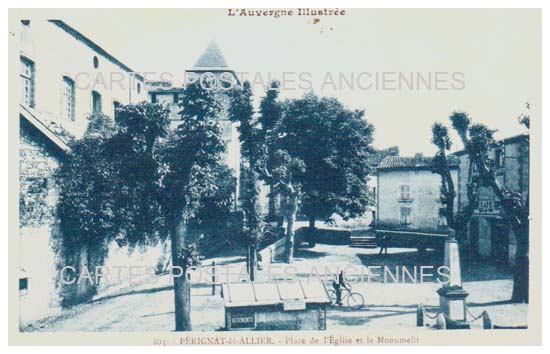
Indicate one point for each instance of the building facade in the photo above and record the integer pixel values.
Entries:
(408, 199)
(64, 77)
(489, 234)
(409, 204)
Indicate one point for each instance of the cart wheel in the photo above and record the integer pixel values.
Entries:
(355, 301)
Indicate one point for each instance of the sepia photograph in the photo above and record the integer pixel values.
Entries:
(284, 176)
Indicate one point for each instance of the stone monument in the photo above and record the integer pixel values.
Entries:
(452, 297)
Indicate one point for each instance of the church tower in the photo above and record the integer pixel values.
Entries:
(211, 68)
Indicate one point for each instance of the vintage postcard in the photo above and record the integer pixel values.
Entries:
(290, 176)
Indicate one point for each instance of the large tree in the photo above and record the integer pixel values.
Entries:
(134, 153)
(110, 186)
(279, 169)
(241, 110)
(334, 144)
(137, 183)
(269, 122)
(317, 156)
(191, 156)
(441, 164)
(478, 140)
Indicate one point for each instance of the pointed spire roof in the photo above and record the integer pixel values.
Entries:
(211, 58)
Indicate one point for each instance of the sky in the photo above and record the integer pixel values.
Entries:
(497, 52)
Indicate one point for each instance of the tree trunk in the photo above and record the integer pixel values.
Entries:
(283, 211)
(253, 263)
(163, 262)
(519, 223)
(311, 231)
(291, 218)
(520, 292)
(311, 223)
(252, 211)
(182, 288)
(448, 189)
(449, 207)
(461, 223)
(272, 210)
(248, 256)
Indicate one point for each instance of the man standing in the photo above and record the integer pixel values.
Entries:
(384, 245)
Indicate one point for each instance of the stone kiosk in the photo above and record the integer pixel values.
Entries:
(290, 305)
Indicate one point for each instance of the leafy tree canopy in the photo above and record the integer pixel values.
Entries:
(86, 208)
(192, 152)
(330, 145)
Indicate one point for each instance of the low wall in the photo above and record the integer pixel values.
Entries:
(324, 236)
(412, 239)
(275, 252)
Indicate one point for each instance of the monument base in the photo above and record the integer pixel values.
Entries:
(452, 302)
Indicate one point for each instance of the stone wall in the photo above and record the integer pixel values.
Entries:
(37, 248)
(38, 193)
(40, 250)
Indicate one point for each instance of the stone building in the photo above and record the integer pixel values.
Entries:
(408, 196)
(64, 77)
(374, 161)
(489, 234)
(40, 153)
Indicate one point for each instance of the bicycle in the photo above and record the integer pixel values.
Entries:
(354, 300)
